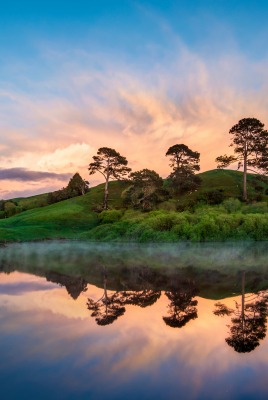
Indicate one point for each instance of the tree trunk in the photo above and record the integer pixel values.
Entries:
(106, 193)
(243, 302)
(105, 295)
(245, 195)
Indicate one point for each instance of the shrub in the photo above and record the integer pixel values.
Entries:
(110, 216)
(257, 208)
(232, 205)
(211, 197)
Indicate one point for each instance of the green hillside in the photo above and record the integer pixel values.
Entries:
(230, 182)
(76, 218)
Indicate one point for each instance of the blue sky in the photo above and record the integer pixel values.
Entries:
(138, 76)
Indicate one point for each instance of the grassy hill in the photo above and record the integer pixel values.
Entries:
(230, 182)
(75, 218)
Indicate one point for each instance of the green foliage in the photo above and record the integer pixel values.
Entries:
(146, 190)
(77, 186)
(257, 208)
(74, 218)
(9, 208)
(232, 205)
(211, 197)
(110, 216)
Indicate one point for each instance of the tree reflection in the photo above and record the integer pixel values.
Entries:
(142, 298)
(182, 307)
(248, 320)
(108, 308)
(74, 285)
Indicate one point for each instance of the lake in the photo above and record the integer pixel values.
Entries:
(108, 321)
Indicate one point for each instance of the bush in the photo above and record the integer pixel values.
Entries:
(257, 208)
(232, 205)
(211, 197)
(110, 216)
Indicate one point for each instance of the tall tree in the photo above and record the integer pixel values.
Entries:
(111, 165)
(250, 142)
(184, 163)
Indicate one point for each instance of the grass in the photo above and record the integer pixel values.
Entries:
(76, 218)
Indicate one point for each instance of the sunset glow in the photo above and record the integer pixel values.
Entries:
(135, 77)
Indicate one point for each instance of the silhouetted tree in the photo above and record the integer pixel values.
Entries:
(141, 298)
(182, 307)
(108, 308)
(250, 142)
(184, 163)
(111, 165)
(248, 321)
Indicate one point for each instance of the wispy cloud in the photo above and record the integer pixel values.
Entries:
(89, 101)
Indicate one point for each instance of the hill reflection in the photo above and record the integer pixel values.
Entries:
(175, 273)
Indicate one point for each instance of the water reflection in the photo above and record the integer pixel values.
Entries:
(60, 311)
(109, 307)
(182, 307)
(74, 285)
(248, 322)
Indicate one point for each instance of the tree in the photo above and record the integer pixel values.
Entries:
(248, 320)
(250, 142)
(182, 307)
(108, 308)
(77, 186)
(184, 163)
(146, 189)
(111, 165)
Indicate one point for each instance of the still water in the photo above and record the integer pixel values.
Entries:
(91, 321)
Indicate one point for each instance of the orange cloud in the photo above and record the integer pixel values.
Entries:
(185, 99)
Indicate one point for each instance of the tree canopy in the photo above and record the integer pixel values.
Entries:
(183, 158)
(146, 189)
(111, 165)
(184, 163)
(77, 186)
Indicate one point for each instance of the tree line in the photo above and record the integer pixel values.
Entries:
(248, 138)
(250, 142)
(147, 186)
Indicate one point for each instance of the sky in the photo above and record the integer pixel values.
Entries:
(136, 76)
